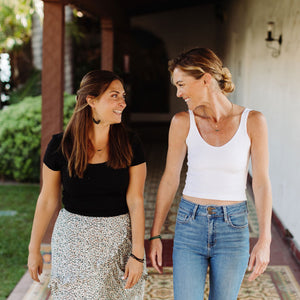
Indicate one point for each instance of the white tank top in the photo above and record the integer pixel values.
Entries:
(218, 173)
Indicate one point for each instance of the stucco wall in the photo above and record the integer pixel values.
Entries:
(271, 86)
(180, 29)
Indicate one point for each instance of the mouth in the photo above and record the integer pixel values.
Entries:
(118, 112)
(187, 100)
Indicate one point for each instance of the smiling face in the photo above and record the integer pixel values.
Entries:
(109, 106)
(191, 90)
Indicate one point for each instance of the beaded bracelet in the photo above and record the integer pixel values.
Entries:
(155, 237)
(141, 260)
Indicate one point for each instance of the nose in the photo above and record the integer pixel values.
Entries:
(179, 93)
(123, 102)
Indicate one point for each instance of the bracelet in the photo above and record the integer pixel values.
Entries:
(155, 237)
(141, 260)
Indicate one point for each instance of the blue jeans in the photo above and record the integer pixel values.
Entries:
(210, 236)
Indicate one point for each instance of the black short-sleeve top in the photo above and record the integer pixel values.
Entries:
(102, 190)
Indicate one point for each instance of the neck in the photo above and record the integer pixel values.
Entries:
(99, 136)
(216, 108)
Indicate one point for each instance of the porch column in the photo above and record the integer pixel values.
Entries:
(107, 44)
(52, 79)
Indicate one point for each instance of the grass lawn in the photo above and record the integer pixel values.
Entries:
(15, 233)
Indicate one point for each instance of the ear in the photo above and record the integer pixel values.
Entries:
(207, 79)
(90, 100)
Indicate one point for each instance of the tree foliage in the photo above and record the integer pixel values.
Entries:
(15, 23)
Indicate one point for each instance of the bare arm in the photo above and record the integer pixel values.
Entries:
(47, 202)
(135, 202)
(169, 182)
(257, 128)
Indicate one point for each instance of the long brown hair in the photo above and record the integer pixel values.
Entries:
(198, 61)
(76, 145)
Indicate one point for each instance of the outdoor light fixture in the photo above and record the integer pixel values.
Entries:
(270, 40)
(79, 14)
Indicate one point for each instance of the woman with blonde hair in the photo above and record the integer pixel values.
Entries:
(212, 226)
(98, 239)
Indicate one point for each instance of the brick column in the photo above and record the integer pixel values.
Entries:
(107, 44)
(52, 79)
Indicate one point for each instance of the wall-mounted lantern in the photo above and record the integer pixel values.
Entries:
(272, 42)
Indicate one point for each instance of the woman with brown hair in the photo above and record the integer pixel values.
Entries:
(212, 226)
(98, 239)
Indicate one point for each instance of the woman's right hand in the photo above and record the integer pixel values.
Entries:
(35, 265)
(156, 254)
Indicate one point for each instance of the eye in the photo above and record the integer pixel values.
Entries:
(115, 96)
(180, 84)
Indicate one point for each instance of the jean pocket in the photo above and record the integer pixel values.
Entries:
(183, 216)
(238, 221)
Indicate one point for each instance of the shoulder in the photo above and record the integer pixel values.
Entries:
(256, 122)
(256, 118)
(53, 157)
(181, 118)
(137, 148)
(55, 141)
(57, 138)
(180, 123)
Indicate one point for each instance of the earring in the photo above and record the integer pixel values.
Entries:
(96, 122)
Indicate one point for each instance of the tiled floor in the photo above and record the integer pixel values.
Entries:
(280, 281)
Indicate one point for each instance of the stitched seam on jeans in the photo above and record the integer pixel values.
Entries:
(237, 226)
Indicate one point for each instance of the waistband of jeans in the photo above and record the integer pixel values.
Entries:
(216, 210)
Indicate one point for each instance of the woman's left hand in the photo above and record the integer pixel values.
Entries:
(260, 256)
(133, 272)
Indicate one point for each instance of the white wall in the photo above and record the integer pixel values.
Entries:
(270, 85)
(180, 29)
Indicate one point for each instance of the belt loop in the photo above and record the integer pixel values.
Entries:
(225, 214)
(194, 212)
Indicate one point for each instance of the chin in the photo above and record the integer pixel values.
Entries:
(118, 121)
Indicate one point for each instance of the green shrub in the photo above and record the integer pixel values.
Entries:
(31, 88)
(20, 138)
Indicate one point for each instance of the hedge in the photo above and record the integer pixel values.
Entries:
(20, 138)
